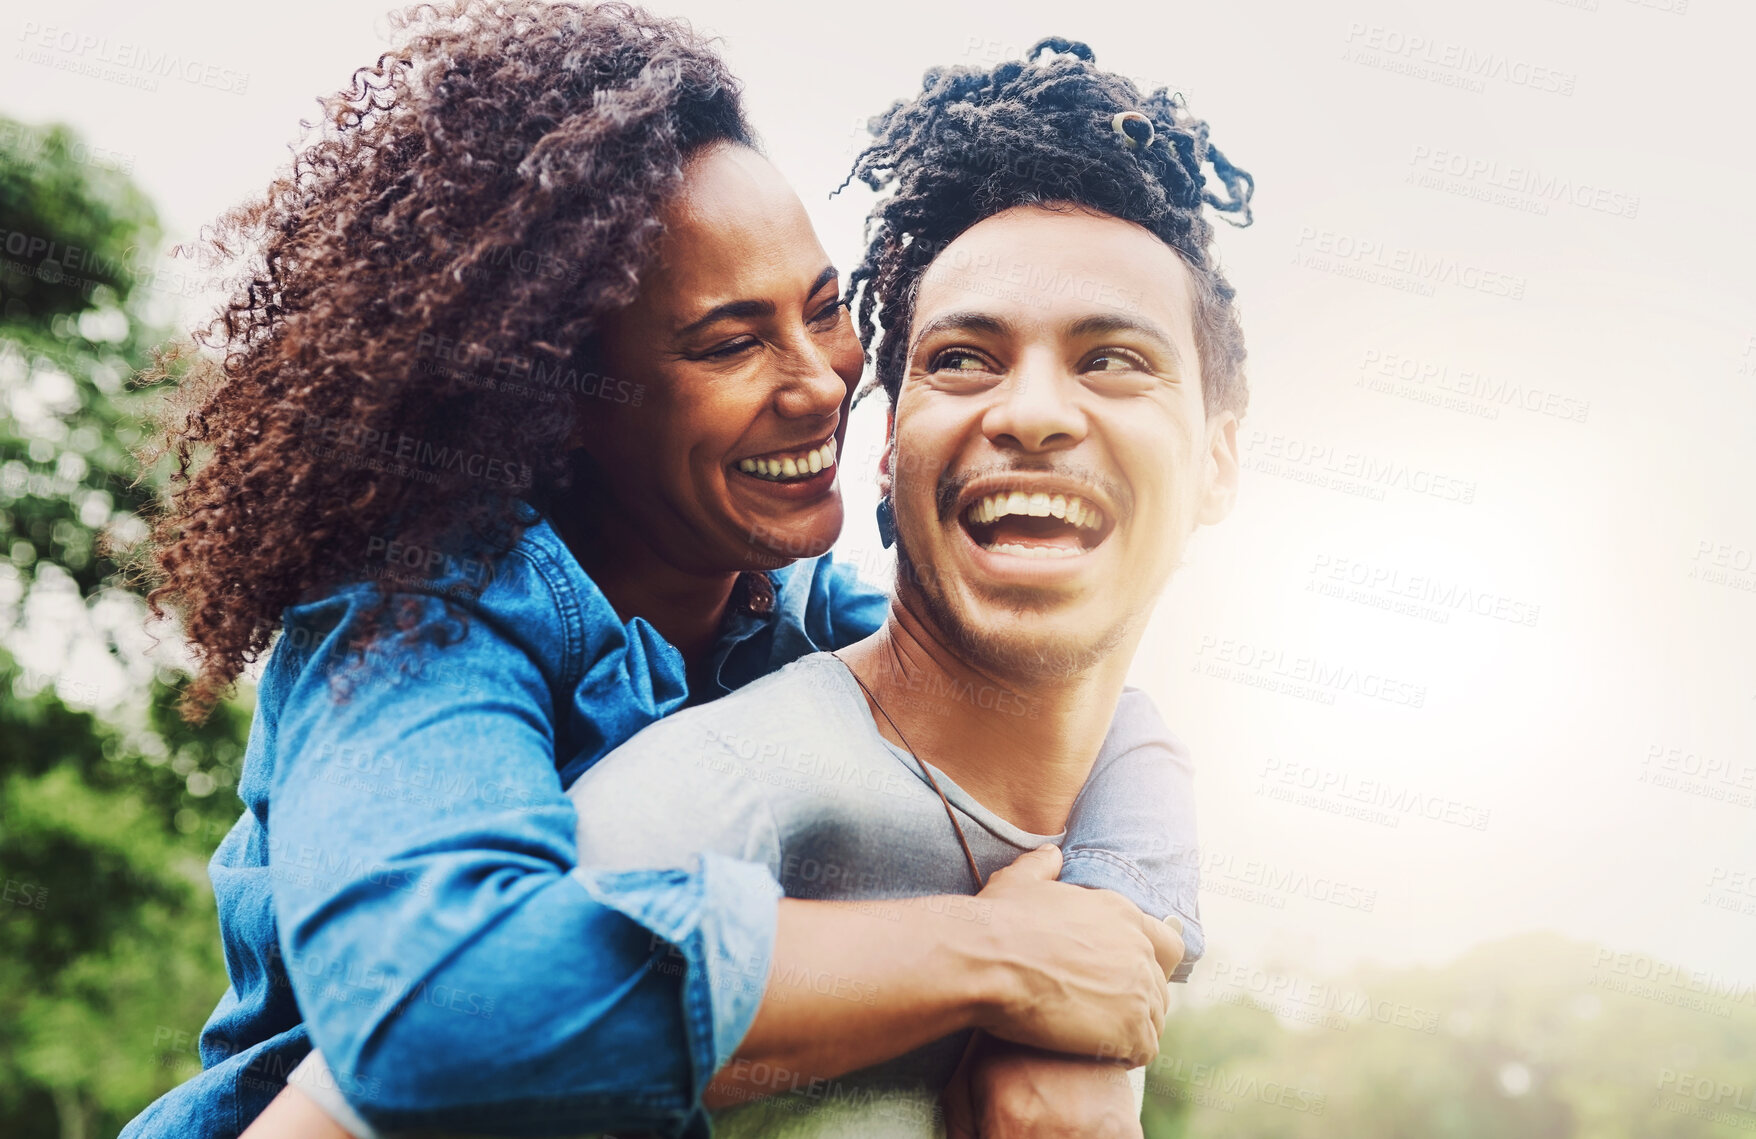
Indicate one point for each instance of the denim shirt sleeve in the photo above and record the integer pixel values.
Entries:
(1132, 828)
(458, 968)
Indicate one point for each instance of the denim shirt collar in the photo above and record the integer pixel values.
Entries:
(626, 669)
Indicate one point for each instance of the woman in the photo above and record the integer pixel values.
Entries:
(509, 429)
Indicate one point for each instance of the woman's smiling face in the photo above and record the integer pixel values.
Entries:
(743, 362)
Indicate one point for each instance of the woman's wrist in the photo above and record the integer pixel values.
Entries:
(967, 960)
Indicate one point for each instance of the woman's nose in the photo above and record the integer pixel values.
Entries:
(813, 386)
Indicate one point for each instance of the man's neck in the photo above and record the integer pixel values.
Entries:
(1022, 746)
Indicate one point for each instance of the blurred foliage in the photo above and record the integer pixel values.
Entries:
(1532, 1037)
(109, 808)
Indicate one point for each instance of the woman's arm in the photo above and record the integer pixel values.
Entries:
(1029, 957)
(452, 960)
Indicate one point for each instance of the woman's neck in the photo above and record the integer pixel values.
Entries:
(687, 608)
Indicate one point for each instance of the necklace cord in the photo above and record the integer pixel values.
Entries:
(950, 813)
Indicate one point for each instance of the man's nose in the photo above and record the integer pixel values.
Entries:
(1036, 409)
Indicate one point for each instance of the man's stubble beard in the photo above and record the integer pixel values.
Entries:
(998, 655)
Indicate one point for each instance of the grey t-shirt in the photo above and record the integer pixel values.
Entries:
(791, 772)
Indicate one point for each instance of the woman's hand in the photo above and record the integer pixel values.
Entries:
(294, 1115)
(1030, 959)
(1085, 969)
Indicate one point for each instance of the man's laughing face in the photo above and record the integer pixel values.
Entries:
(1050, 453)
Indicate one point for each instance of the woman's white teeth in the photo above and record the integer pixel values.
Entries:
(1070, 507)
(792, 466)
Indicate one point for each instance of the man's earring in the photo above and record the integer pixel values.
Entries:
(886, 522)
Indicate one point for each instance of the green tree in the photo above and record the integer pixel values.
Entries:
(109, 805)
(1532, 1037)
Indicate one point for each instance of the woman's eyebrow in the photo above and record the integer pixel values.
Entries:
(745, 310)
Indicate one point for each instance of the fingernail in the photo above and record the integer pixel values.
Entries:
(1175, 923)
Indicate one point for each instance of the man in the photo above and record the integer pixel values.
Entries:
(1054, 443)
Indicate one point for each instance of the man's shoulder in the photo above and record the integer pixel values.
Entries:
(806, 702)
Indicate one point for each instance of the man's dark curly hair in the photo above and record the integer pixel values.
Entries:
(476, 201)
(1038, 132)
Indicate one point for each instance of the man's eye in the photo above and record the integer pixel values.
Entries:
(1115, 360)
(958, 360)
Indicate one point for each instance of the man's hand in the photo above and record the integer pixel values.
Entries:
(1008, 1091)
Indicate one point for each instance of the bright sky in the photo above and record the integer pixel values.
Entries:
(1495, 556)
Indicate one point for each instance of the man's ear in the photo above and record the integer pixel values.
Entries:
(1222, 469)
(885, 481)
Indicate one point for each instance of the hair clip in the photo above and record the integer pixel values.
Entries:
(1133, 128)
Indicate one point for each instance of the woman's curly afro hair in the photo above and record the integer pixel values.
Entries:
(400, 362)
(1039, 131)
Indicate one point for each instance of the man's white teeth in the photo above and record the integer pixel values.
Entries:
(1070, 507)
(1019, 551)
(791, 466)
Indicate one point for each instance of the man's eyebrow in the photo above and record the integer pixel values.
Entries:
(743, 310)
(962, 322)
(1107, 323)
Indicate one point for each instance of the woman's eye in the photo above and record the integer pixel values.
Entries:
(958, 360)
(830, 315)
(729, 349)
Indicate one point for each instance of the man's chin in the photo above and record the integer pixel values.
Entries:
(1031, 643)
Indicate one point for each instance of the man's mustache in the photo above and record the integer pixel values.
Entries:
(1085, 481)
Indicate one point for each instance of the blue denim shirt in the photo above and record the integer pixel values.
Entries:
(403, 890)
